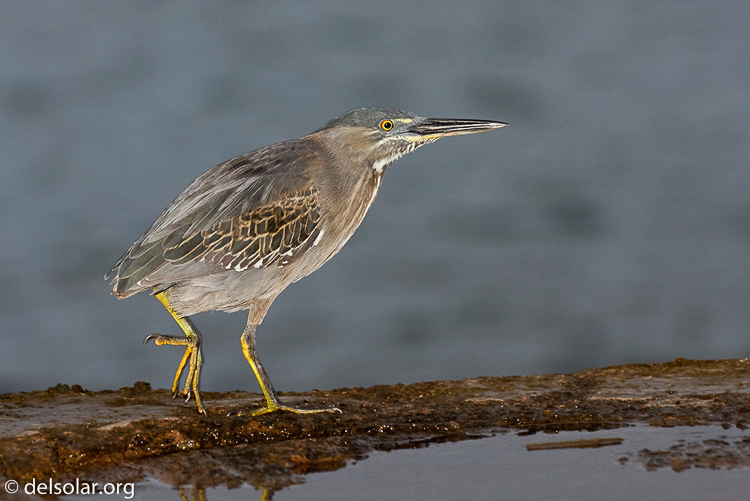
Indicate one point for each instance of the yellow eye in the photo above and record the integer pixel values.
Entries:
(386, 125)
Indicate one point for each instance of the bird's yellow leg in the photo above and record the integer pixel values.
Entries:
(193, 494)
(272, 399)
(192, 343)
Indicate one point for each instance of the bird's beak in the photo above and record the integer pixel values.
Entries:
(435, 128)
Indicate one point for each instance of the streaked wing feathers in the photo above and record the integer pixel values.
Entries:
(272, 234)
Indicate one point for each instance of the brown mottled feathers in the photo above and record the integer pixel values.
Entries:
(268, 235)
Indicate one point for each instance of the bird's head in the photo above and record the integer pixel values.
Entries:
(376, 137)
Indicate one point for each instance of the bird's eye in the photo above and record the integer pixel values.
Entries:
(386, 125)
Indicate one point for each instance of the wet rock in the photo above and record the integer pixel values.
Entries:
(136, 432)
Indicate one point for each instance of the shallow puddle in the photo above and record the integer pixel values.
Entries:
(501, 467)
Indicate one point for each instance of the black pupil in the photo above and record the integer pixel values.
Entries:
(387, 125)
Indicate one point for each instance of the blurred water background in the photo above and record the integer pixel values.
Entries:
(610, 223)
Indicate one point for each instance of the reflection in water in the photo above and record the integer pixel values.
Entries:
(199, 494)
(703, 461)
(192, 494)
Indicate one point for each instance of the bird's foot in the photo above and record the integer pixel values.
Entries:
(192, 353)
(278, 406)
(171, 340)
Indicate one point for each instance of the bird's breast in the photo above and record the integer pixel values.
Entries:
(342, 216)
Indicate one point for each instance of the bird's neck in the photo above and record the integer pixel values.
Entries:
(349, 185)
(351, 164)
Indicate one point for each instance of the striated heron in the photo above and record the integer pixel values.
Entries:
(249, 227)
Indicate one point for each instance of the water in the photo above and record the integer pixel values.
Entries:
(609, 223)
(500, 467)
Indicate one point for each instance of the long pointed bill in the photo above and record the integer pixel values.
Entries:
(435, 128)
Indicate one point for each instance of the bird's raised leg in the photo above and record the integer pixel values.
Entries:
(272, 399)
(192, 343)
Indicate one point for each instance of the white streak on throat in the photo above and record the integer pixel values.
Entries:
(380, 165)
(374, 192)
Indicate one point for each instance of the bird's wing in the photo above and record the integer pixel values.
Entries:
(255, 210)
(268, 235)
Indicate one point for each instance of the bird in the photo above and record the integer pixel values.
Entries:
(249, 227)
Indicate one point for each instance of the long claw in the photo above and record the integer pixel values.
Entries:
(150, 337)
